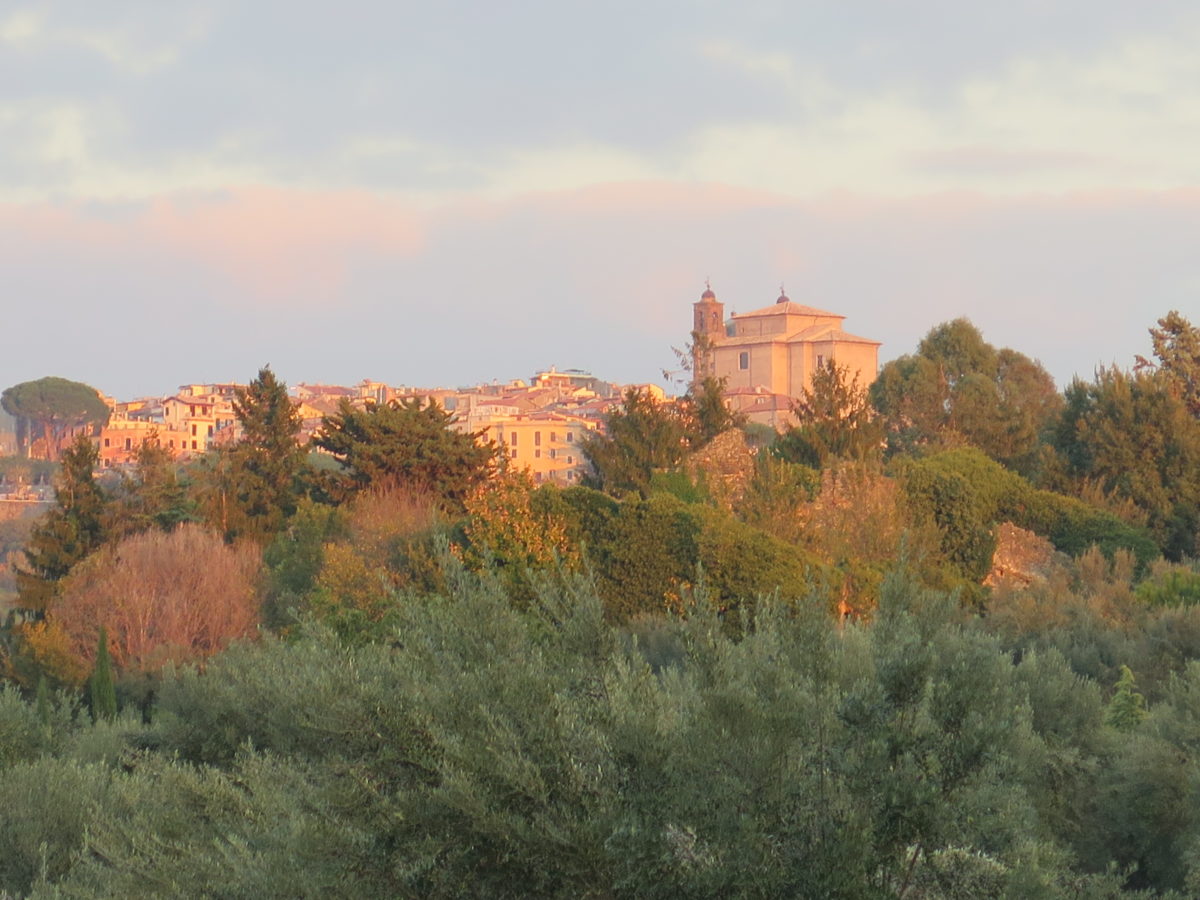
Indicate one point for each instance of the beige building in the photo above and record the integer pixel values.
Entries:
(774, 350)
(545, 444)
(120, 440)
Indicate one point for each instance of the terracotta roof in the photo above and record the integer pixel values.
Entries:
(192, 401)
(786, 308)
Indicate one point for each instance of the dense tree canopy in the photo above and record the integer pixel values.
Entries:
(404, 441)
(1133, 436)
(47, 410)
(643, 436)
(255, 484)
(834, 421)
(957, 388)
(476, 686)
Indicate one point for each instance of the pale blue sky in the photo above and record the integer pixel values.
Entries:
(453, 192)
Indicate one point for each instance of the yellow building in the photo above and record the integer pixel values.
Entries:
(776, 349)
(545, 444)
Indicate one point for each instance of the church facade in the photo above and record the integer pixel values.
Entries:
(767, 357)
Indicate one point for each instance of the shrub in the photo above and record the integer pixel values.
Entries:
(162, 596)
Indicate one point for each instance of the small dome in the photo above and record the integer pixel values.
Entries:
(708, 294)
(783, 298)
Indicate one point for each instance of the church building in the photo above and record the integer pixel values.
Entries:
(767, 357)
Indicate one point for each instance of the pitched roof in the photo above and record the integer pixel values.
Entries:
(788, 308)
(830, 333)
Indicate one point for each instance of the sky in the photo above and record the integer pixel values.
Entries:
(441, 194)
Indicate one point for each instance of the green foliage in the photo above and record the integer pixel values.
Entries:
(1170, 585)
(1176, 345)
(1134, 437)
(487, 750)
(643, 438)
(706, 413)
(71, 530)
(1127, 709)
(252, 487)
(957, 389)
(295, 557)
(775, 495)
(156, 496)
(49, 408)
(102, 691)
(955, 505)
(835, 421)
(647, 555)
(967, 494)
(640, 437)
(405, 442)
(48, 805)
(681, 485)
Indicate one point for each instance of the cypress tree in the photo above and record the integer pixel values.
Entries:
(1128, 707)
(102, 692)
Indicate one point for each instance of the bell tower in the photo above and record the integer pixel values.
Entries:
(708, 327)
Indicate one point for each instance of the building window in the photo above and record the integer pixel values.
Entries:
(570, 460)
(537, 439)
(514, 453)
(553, 453)
(106, 442)
(193, 445)
(193, 433)
(554, 437)
(512, 439)
(537, 454)
(128, 443)
(820, 360)
(570, 437)
(744, 359)
(210, 428)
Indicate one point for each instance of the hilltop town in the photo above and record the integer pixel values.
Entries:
(765, 359)
(539, 423)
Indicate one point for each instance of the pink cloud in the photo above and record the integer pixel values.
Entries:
(276, 245)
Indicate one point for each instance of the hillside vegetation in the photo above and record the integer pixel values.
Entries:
(418, 674)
